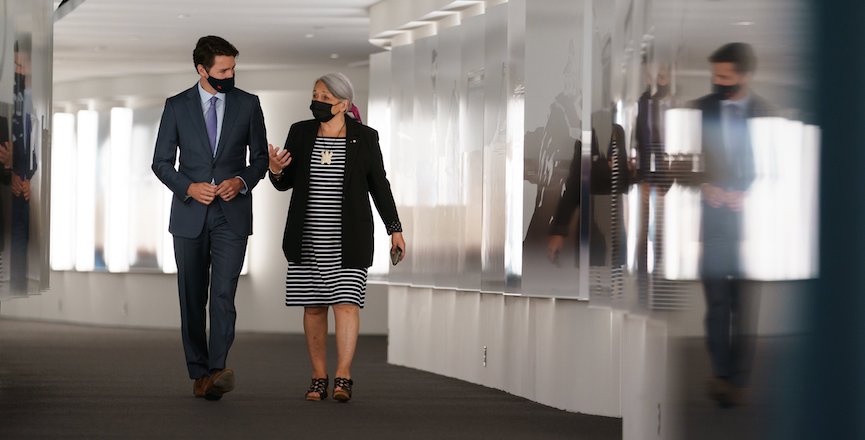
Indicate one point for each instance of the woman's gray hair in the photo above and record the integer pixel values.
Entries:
(339, 85)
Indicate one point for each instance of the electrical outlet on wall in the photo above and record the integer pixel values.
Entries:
(485, 356)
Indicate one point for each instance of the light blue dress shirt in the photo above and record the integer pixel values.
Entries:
(220, 109)
(220, 112)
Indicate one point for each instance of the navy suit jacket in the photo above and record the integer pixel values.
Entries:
(182, 127)
(721, 228)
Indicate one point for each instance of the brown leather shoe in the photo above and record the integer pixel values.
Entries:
(199, 386)
(221, 382)
(725, 393)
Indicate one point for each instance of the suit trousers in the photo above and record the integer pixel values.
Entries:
(20, 236)
(213, 259)
(732, 306)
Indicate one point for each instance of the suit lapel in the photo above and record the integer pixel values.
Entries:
(197, 115)
(232, 108)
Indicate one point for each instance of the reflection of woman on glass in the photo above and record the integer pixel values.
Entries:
(23, 164)
(333, 163)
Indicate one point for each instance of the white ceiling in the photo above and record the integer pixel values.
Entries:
(109, 38)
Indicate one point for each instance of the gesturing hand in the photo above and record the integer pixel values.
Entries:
(279, 159)
(202, 192)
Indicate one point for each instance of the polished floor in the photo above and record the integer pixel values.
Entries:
(67, 381)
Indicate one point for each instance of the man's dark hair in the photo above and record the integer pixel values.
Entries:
(208, 48)
(740, 54)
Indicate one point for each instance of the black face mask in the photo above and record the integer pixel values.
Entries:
(321, 111)
(221, 85)
(725, 92)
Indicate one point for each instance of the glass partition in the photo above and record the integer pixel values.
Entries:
(25, 136)
(555, 148)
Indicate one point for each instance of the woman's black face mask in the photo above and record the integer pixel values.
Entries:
(321, 111)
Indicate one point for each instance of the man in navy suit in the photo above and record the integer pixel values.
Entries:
(214, 125)
(731, 306)
(23, 165)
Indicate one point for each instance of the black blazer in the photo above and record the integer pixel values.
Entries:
(601, 176)
(364, 176)
(182, 127)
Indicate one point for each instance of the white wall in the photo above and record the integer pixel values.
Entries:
(150, 300)
(562, 353)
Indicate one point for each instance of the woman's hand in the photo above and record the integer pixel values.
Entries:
(554, 246)
(279, 159)
(397, 241)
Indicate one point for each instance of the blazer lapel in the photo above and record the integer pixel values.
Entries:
(351, 146)
(197, 115)
(303, 151)
(228, 118)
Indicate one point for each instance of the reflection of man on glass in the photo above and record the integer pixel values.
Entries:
(5, 179)
(23, 165)
(729, 171)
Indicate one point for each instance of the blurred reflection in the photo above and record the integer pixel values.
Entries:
(554, 164)
(651, 173)
(601, 183)
(23, 163)
(5, 180)
(731, 307)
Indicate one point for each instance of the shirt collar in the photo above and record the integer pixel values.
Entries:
(742, 103)
(205, 95)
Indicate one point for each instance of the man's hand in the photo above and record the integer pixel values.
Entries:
(202, 192)
(17, 185)
(6, 154)
(735, 201)
(714, 196)
(278, 159)
(229, 188)
(25, 189)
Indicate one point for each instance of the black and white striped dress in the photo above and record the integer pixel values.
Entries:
(319, 279)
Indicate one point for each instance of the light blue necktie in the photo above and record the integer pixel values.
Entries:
(210, 120)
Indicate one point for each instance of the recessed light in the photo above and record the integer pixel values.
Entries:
(182, 16)
(743, 23)
(334, 56)
(309, 35)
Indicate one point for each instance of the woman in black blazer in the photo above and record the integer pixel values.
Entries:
(333, 164)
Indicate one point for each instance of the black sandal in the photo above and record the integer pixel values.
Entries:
(318, 385)
(344, 392)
